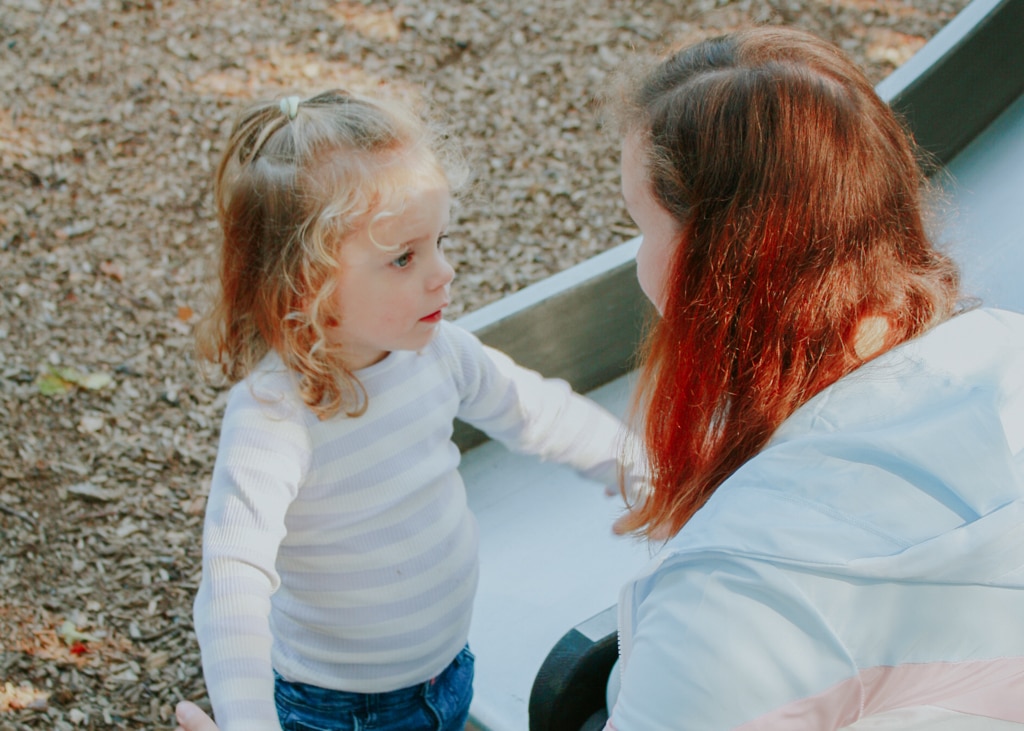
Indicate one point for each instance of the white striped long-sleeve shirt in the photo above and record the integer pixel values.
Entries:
(341, 553)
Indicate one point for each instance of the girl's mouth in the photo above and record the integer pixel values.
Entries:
(432, 317)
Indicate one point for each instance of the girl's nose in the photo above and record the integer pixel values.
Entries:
(443, 273)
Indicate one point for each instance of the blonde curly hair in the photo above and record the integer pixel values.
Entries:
(296, 178)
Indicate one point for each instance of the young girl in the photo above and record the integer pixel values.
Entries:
(339, 556)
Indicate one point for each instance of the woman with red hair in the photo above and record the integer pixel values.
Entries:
(837, 443)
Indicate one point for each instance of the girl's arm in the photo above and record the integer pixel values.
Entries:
(261, 459)
(540, 416)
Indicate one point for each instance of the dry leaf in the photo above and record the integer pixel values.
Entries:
(21, 697)
(76, 229)
(70, 634)
(55, 381)
(195, 506)
(89, 491)
(95, 381)
(51, 383)
(113, 269)
(91, 424)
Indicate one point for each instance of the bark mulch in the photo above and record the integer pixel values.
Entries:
(112, 117)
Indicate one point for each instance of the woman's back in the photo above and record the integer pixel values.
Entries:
(868, 560)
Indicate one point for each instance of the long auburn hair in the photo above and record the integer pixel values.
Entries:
(803, 251)
(290, 186)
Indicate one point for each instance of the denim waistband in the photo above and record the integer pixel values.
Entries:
(331, 700)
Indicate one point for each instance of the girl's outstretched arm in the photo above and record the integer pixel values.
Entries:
(541, 416)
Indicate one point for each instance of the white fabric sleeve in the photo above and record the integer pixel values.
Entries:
(719, 642)
(263, 453)
(540, 416)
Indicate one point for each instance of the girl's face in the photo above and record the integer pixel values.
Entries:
(392, 288)
(661, 232)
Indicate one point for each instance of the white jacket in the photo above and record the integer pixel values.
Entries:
(867, 565)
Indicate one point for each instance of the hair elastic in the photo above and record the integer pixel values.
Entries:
(290, 106)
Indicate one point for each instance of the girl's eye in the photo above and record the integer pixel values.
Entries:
(440, 240)
(404, 260)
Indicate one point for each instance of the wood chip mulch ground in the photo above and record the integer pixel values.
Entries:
(112, 117)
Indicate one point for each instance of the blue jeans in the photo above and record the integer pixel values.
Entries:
(441, 704)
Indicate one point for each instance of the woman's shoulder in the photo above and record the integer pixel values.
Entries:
(969, 343)
(983, 328)
(763, 515)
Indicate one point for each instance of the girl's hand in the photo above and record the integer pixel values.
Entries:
(192, 718)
